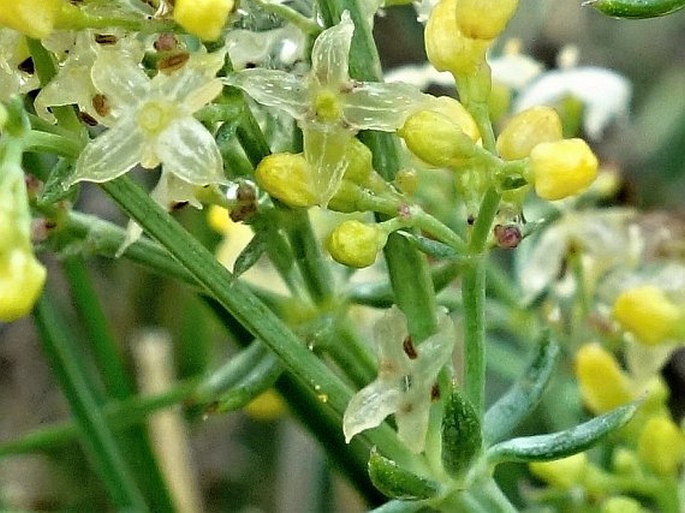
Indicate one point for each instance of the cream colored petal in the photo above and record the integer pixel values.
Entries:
(121, 79)
(109, 155)
(369, 407)
(330, 54)
(187, 150)
(378, 106)
(274, 88)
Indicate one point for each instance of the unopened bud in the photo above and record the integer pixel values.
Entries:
(603, 384)
(436, 139)
(447, 48)
(484, 19)
(288, 178)
(356, 244)
(562, 168)
(662, 446)
(526, 130)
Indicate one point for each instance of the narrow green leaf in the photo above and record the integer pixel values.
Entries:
(97, 437)
(562, 443)
(53, 190)
(250, 254)
(397, 482)
(461, 433)
(636, 9)
(513, 407)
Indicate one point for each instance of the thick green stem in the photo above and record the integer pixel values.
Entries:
(244, 306)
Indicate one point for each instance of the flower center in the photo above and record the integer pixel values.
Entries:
(327, 106)
(155, 116)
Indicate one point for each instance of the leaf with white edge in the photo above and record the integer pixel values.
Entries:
(513, 407)
(433, 247)
(461, 433)
(558, 445)
(398, 483)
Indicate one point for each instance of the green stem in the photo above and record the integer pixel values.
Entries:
(290, 15)
(244, 306)
(117, 415)
(57, 344)
(52, 143)
(473, 296)
(105, 349)
(308, 257)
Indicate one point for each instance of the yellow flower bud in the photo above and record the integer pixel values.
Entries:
(356, 244)
(35, 18)
(204, 18)
(563, 473)
(21, 282)
(446, 47)
(287, 177)
(436, 139)
(266, 406)
(621, 504)
(484, 19)
(457, 113)
(647, 313)
(662, 445)
(526, 130)
(562, 168)
(359, 162)
(603, 384)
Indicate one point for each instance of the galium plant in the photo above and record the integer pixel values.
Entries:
(276, 117)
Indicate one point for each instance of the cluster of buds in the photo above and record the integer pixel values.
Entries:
(459, 32)
(558, 167)
(659, 444)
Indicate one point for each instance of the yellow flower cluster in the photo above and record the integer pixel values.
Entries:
(459, 32)
(559, 168)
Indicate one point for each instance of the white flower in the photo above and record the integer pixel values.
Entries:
(605, 94)
(329, 106)
(154, 121)
(406, 376)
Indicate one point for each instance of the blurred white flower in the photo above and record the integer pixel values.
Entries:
(605, 94)
(606, 239)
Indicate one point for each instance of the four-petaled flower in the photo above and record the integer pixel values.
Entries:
(329, 106)
(155, 124)
(406, 377)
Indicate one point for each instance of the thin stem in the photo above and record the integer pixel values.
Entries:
(97, 437)
(473, 296)
(105, 349)
(53, 143)
(303, 23)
